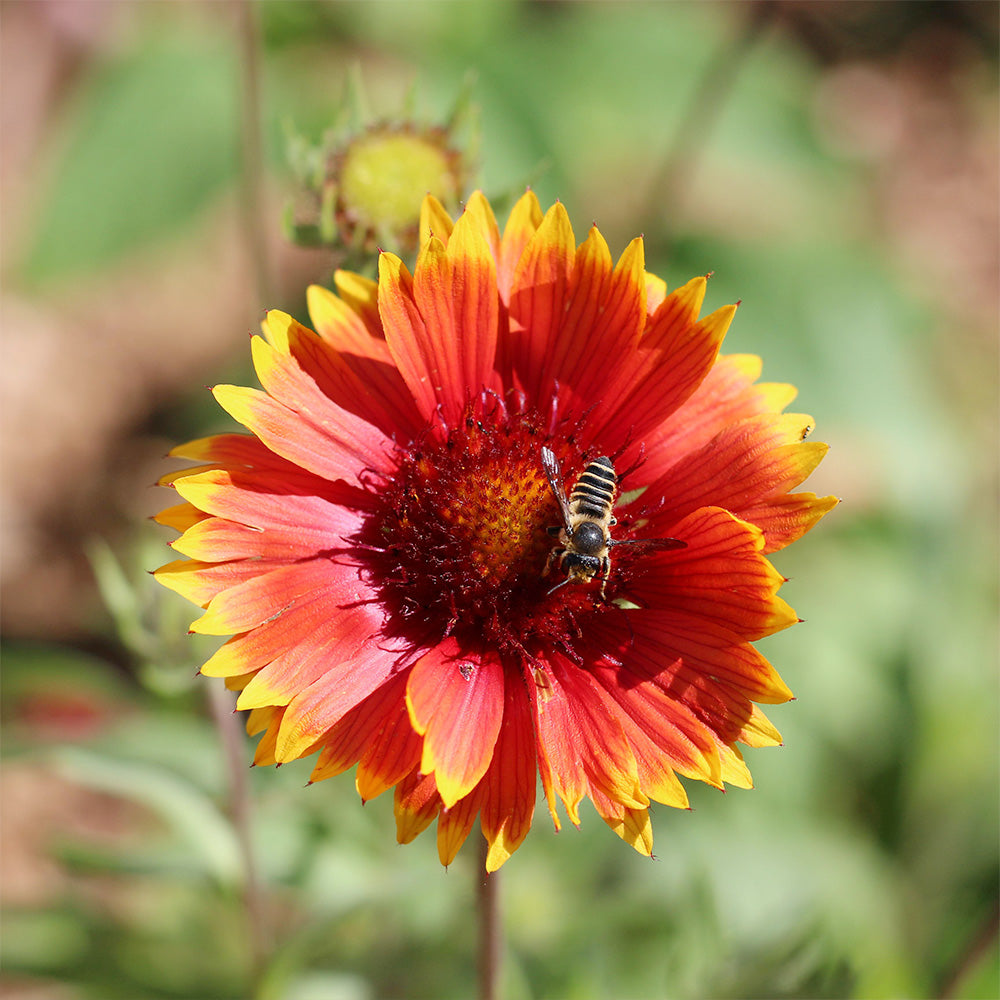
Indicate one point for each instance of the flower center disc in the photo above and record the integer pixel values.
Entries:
(463, 528)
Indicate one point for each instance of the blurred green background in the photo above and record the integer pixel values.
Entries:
(835, 165)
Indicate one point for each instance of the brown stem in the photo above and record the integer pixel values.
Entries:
(971, 955)
(252, 200)
(488, 909)
(230, 730)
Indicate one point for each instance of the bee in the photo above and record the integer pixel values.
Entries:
(587, 516)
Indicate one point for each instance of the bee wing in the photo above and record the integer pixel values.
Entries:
(553, 474)
(650, 544)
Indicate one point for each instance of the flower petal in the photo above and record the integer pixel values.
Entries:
(377, 736)
(256, 648)
(361, 294)
(264, 597)
(336, 446)
(522, 224)
(343, 625)
(728, 393)
(441, 324)
(720, 577)
(454, 825)
(509, 786)
(786, 518)
(318, 707)
(456, 703)
(675, 355)
(434, 221)
(537, 301)
(481, 218)
(743, 466)
(180, 517)
(415, 804)
(599, 336)
(342, 327)
(582, 749)
(270, 504)
(199, 582)
(371, 389)
(664, 719)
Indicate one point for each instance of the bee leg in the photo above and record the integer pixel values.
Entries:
(605, 573)
(553, 556)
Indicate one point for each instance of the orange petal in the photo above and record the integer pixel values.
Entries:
(600, 333)
(656, 292)
(685, 651)
(744, 465)
(434, 221)
(415, 804)
(522, 224)
(364, 731)
(371, 389)
(721, 576)
(456, 704)
(538, 299)
(342, 629)
(482, 219)
(199, 582)
(509, 786)
(727, 394)
(319, 707)
(361, 294)
(263, 597)
(676, 354)
(394, 752)
(267, 505)
(581, 745)
(256, 648)
(784, 519)
(341, 327)
(665, 720)
(180, 517)
(455, 823)
(337, 445)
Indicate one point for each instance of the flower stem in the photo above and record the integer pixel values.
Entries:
(227, 724)
(488, 909)
(970, 957)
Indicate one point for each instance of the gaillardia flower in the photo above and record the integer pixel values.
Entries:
(378, 547)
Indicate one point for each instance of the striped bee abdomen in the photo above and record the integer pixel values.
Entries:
(594, 493)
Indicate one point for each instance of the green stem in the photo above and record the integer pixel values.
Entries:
(488, 909)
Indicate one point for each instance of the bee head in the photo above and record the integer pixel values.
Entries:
(578, 565)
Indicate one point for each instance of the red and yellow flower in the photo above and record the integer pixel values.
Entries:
(376, 546)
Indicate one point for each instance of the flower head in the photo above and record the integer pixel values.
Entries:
(361, 185)
(379, 546)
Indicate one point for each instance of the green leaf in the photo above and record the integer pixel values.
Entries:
(187, 809)
(146, 144)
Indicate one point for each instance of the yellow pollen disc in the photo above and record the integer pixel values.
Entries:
(499, 516)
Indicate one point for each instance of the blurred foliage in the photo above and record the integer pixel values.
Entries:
(865, 862)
